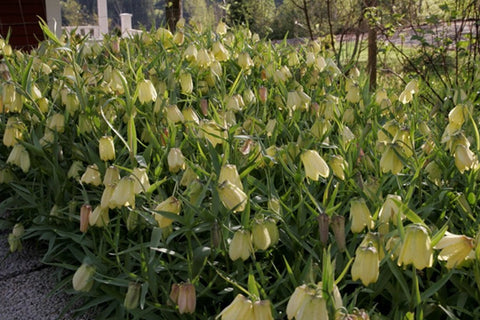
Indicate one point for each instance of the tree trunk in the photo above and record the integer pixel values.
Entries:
(173, 13)
(372, 50)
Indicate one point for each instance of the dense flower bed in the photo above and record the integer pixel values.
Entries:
(213, 174)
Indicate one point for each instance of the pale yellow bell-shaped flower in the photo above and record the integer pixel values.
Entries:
(389, 212)
(107, 195)
(296, 301)
(146, 91)
(83, 278)
(229, 172)
(190, 116)
(338, 165)
(176, 160)
(465, 159)
(260, 236)
(220, 52)
(112, 175)
(92, 176)
(190, 53)
(390, 162)
(132, 297)
(221, 28)
(244, 60)
(172, 205)
(123, 195)
(173, 114)
(141, 182)
(203, 58)
(99, 217)
(314, 164)
(106, 148)
(313, 308)
(360, 216)
(232, 197)
(366, 265)
(262, 310)
(240, 308)
(13, 131)
(56, 122)
(241, 245)
(416, 248)
(455, 249)
(186, 83)
(458, 114)
(213, 132)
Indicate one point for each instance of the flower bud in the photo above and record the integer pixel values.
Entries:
(92, 176)
(366, 265)
(232, 197)
(123, 195)
(20, 157)
(314, 165)
(85, 212)
(323, 221)
(186, 298)
(360, 216)
(106, 148)
(146, 91)
(132, 298)
(172, 205)
(176, 160)
(416, 248)
(455, 249)
(83, 278)
(241, 245)
(338, 227)
(263, 94)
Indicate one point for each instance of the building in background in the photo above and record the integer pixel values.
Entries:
(21, 18)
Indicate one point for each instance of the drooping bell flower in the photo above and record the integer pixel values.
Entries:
(241, 245)
(360, 215)
(146, 91)
(83, 278)
(186, 298)
(176, 160)
(20, 157)
(123, 195)
(132, 297)
(232, 197)
(455, 249)
(240, 308)
(314, 165)
(106, 148)
(141, 182)
(416, 248)
(171, 205)
(366, 265)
